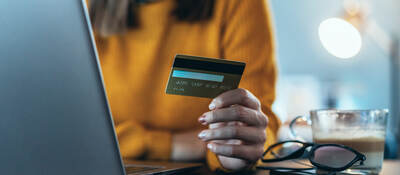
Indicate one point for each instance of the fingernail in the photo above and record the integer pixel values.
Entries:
(211, 106)
(209, 146)
(202, 120)
(202, 134)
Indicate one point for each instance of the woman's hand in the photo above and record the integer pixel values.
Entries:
(236, 129)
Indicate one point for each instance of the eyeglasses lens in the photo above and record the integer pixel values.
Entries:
(283, 150)
(333, 156)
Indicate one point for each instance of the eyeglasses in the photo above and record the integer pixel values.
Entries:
(326, 157)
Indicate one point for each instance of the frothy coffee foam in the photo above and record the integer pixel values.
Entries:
(375, 135)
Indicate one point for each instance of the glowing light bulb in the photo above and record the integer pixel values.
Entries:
(340, 38)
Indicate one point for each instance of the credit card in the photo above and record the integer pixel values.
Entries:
(203, 77)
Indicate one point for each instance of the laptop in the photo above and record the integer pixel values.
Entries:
(54, 115)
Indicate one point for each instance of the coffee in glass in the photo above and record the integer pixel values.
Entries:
(362, 130)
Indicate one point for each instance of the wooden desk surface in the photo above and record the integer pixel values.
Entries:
(390, 167)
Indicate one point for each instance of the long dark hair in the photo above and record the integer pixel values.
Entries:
(111, 17)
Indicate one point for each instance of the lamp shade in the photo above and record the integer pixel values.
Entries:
(340, 38)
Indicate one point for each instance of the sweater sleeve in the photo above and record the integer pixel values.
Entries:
(247, 35)
(136, 142)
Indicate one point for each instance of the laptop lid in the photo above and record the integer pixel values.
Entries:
(54, 116)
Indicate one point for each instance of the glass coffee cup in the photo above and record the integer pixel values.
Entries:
(362, 130)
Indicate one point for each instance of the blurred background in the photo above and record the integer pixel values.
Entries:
(315, 74)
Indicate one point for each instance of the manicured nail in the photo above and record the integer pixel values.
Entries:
(211, 106)
(202, 120)
(209, 146)
(202, 134)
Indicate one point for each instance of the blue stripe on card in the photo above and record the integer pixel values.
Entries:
(197, 76)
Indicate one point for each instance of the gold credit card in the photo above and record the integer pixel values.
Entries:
(203, 77)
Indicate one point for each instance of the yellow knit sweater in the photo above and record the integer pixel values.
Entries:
(136, 66)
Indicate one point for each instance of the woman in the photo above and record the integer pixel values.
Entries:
(137, 41)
